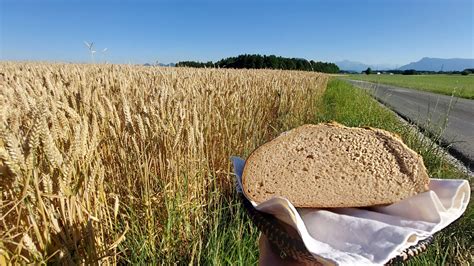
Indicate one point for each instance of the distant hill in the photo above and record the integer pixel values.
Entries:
(358, 66)
(351, 66)
(439, 64)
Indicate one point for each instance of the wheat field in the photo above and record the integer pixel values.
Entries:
(101, 162)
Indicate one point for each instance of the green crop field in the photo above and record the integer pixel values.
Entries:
(458, 85)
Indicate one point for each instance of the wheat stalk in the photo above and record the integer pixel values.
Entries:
(94, 158)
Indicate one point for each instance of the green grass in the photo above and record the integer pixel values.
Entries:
(461, 86)
(231, 238)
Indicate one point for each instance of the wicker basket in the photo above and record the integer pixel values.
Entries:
(288, 246)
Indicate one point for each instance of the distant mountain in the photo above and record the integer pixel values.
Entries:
(440, 64)
(351, 66)
(358, 66)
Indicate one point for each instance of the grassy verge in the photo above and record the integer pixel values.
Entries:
(461, 86)
(231, 238)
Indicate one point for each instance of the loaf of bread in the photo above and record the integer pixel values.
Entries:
(330, 165)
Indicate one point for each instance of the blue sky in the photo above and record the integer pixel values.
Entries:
(374, 32)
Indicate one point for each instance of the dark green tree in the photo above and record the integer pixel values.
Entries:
(263, 61)
(409, 72)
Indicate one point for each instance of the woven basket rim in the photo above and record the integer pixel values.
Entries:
(288, 245)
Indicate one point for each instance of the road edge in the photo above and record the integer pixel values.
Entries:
(458, 159)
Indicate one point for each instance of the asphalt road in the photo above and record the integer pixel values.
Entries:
(431, 111)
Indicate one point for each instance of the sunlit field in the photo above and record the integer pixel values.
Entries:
(127, 164)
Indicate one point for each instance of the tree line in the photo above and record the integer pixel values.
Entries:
(256, 61)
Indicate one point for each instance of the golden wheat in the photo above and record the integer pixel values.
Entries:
(88, 150)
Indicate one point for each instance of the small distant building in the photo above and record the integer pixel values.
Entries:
(378, 73)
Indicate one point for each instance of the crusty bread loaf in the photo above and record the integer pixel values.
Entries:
(330, 165)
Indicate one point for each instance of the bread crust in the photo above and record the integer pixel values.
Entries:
(415, 178)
